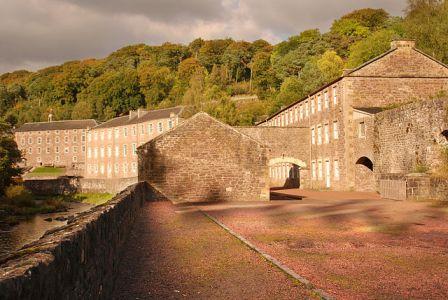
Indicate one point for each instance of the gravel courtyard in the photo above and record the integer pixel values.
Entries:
(351, 245)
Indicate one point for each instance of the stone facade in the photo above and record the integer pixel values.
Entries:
(78, 260)
(203, 159)
(58, 143)
(340, 158)
(112, 146)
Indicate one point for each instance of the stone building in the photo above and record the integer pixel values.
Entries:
(57, 143)
(112, 146)
(340, 115)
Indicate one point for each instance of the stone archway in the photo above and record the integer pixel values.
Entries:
(284, 172)
(364, 176)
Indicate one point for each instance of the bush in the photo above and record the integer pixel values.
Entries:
(19, 196)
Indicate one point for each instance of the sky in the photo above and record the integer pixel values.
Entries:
(39, 33)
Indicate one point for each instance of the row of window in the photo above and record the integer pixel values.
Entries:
(305, 108)
(103, 169)
(56, 150)
(66, 131)
(48, 140)
(283, 171)
(57, 159)
(326, 135)
(148, 128)
(317, 171)
(101, 152)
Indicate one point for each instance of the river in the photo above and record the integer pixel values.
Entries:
(30, 230)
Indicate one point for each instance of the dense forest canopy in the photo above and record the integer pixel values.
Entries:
(206, 73)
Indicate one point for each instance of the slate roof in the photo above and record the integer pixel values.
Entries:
(145, 117)
(57, 125)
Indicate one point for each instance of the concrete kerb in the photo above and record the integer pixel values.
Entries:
(269, 258)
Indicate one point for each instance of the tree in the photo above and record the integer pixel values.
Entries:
(374, 19)
(211, 51)
(330, 65)
(155, 83)
(10, 156)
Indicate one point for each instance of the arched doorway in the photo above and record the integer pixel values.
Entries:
(284, 172)
(364, 176)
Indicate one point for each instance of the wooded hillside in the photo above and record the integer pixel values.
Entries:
(206, 73)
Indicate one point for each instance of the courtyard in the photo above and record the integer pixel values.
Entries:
(350, 245)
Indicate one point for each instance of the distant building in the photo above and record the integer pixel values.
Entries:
(112, 146)
(57, 143)
(340, 115)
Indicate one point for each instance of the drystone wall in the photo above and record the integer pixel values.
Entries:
(203, 159)
(78, 260)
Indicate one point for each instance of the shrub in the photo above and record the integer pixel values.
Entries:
(19, 196)
(420, 168)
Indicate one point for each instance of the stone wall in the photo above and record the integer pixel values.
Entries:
(78, 260)
(108, 185)
(410, 136)
(203, 159)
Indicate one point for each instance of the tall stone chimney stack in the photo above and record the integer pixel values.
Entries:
(50, 116)
(402, 44)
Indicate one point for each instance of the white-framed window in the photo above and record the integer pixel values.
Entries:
(102, 152)
(75, 159)
(326, 100)
(150, 128)
(95, 152)
(301, 111)
(362, 129)
(313, 136)
(327, 133)
(134, 149)
(30, 140)
(48, 140)
(83, 137)
(56, 149)
(134, 130)
(102, 168)
(39, 159)
(335, 130)
(319, 135)
(102, 135)
(125, 168)
(319, 169)
(160, 126)
(47, 150)
(109, 151)
(319, 102)
(125, 150)
(313, 106)
(117, 151)
(117, 168)
(66, 131)
(335, 95)
(75, 139)
(22, 141)
(56, 140)
(109, 169)
(38, 150)
(57, 131)
(296, 114)
(39, 140)
(83, 149)
(66, 139)
(336, 169)
(142, 129)
(170, 124)
(117, 133)
(109, 134)
(66, 150)
(89, 152)
(134, 167)
(285, 115)
(291, 117)
(56, 159)
(313, 170)
(125, 132)
(75, 149)
(89, 137)
(306, 109)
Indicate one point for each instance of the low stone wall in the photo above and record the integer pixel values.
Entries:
(78, 260)
(112, 186)
(439, 189)
(52, 186)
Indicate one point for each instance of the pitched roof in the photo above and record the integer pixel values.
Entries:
(57, 125)
(144, 117)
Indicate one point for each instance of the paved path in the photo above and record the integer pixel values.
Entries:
(176, 253)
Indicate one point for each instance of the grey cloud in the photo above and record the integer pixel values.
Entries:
(37, 33)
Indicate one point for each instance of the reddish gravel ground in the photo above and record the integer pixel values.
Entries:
(351, 245)
(177, 253)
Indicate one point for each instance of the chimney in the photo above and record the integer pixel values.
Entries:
(402, 44)
(141, 112)
(132, 114)
(50, 117)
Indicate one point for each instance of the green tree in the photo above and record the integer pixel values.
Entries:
(330, 65)
(10, 156)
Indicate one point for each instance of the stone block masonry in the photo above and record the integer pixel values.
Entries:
(203, 159)
(78, 260)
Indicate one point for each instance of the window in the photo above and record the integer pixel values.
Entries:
(102, 152)
(117, 133)
(160, 126)
(66, 150)
(319, 103)
(57, 131)
(313, 170)
(89, 152)
(75, 139)
(362, 129)
(134, 149)
(125, 131)
(134, 167)
(66, 139)
(125, 150)
(327, 133)
(134, 130)
(291, 117)
(47, 150)
(109, 134)
(39, 140)
(66, 131)
(296, 114)
(38, 150)
(125, 168)
(83, 149)
(83, 138)
(116, 168)
(326, 100)
(142, 129)
(301, 112)
(39, 160)
(312, 106)
(22, 141)
(150, 128)
(170, 124)
(56, 149)
(109, 151)
(75, 149)
(95, 153)
(319, 170)
(89, 137)
(306, 109)
(56, 140)
(109, 169)
(56, 159)
(48, 140)
(319, 135)
(102, 168)
(75, 159)
(335, 95)
(336, 169)
(313, 136)
(117, 151)
(335, 130)
(102, 135)
(30, 140)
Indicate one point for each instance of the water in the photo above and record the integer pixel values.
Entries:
(30, 230)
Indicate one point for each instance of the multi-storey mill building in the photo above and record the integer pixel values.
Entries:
(340, 115)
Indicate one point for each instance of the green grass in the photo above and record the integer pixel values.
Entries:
(47, 171)
(93, 198)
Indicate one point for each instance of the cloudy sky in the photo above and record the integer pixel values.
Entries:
(38, 33)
